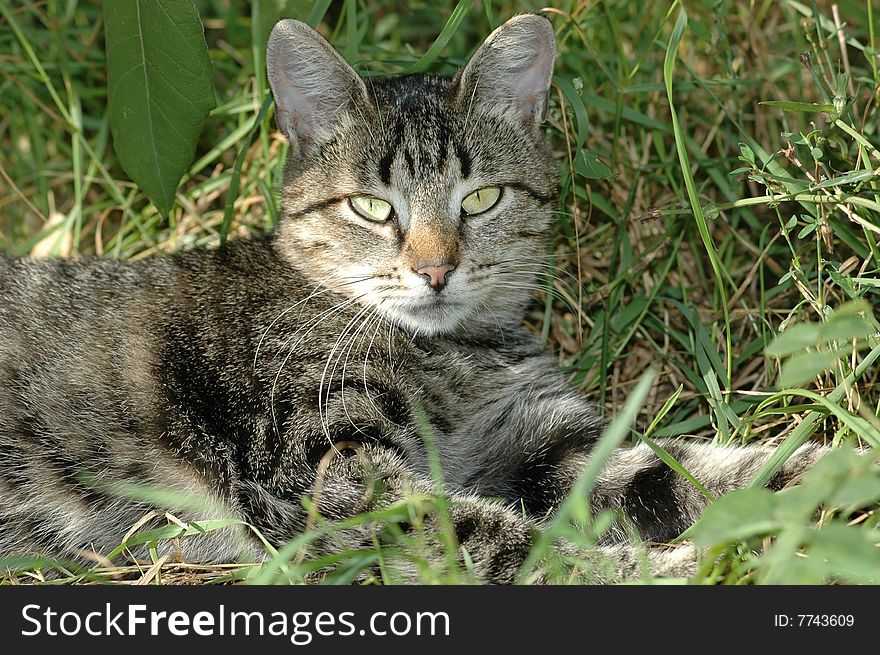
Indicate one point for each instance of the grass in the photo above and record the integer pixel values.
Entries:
(719, 177)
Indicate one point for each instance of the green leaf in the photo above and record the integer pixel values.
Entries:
(803, 367)
(858, 492)
(175, 531)
(791, 569)
(795, 339)
(847, 327)
(737, 516)
(807, 230)
(590, 166)
(160, 90)
(845, 478)
(846, 322)
(576, 103)
(672, 463)
(786, 105)
(462, 9)
(746, 153)
(810, 423)
(847, 553)
(319, 9)
(852, 308)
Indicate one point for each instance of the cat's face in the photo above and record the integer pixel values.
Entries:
(423, 198)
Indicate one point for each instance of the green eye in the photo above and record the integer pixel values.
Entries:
(481, 200)
(373, 209)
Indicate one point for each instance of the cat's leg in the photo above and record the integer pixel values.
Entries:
(497, 537)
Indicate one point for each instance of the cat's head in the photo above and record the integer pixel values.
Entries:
(424, 197)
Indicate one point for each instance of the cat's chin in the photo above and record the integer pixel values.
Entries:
(431, 319)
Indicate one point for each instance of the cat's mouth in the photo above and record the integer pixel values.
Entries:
(432, 316)
(435, 302)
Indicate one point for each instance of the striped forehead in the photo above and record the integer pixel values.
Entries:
(420, 130)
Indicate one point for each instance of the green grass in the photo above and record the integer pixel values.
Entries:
(720, 181)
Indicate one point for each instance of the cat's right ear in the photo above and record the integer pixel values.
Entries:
(311, 83)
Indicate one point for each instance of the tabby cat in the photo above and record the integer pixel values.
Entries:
(312, 362)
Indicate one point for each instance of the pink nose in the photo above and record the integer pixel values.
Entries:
(436, 276)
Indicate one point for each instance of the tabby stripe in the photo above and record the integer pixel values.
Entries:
(650, 500)
(525, 188)
(388, 158)
(317, 206)
(464, 160)
(76, 477)
(385, 167)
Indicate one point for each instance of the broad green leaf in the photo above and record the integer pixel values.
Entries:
(847, 553)
(852, 308)
(845, 478)
(807, 230)
(847, 327)
(859, 492)
(845, 323)
(160, 90)
(736, 516)
(784, 565)
(837, 465)
(803, 367)
(590, 166)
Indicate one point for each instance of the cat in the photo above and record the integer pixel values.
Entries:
(311, 362)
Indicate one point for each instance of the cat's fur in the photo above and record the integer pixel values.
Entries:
(233, 373)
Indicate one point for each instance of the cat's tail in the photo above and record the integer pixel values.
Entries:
(661, 503)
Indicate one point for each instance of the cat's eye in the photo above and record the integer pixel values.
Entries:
(373, 209)
(481, 200)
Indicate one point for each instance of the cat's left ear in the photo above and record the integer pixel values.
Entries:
(512, 69)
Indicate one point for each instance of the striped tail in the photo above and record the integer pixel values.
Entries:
(660, 503)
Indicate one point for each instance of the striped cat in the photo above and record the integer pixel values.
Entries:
(305, 363)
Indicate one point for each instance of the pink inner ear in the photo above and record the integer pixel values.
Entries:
(532, 87)
(294, 107)
(513, 68)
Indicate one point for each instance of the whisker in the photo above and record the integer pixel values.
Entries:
(313, 323)
(362, 329)
(527, 275)
(495, 318)
(553, 292)
(322, 405)
(540, 260)
(367, 355)
(315, 293)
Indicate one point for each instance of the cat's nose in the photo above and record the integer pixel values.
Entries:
(435, 276)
